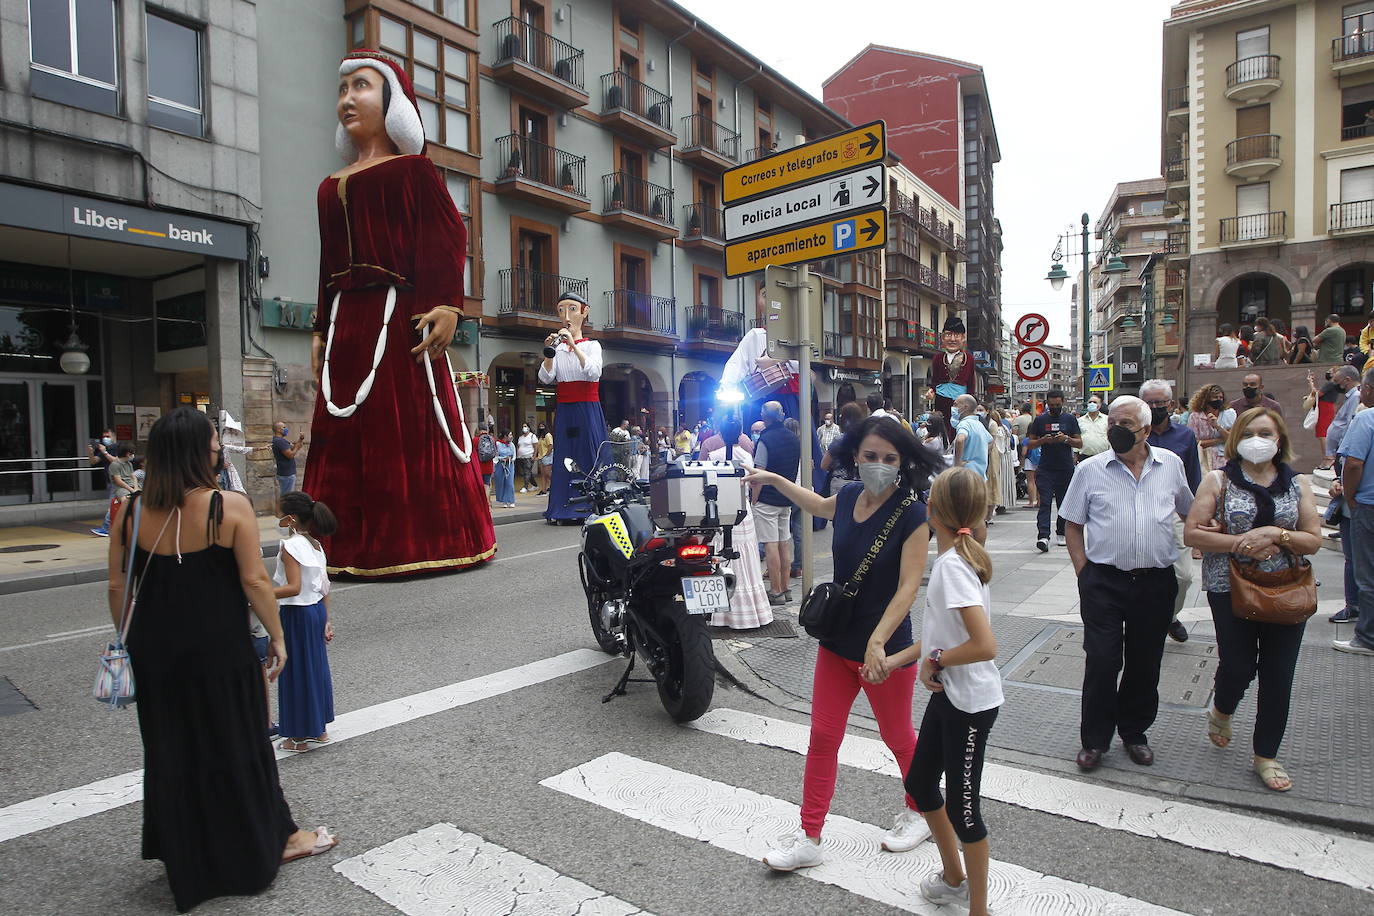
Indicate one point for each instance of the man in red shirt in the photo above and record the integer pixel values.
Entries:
(1252, 395)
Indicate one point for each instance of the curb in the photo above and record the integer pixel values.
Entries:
(84, 575)
(1303, 811)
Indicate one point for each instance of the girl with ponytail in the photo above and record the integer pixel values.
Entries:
(957, 649)
(305, 692)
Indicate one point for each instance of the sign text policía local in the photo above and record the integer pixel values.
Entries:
(819, 199)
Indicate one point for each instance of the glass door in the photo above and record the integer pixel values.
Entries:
(60, 439)
(16, 444)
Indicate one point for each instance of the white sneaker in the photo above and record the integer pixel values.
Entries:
(522, 489)
(1043, 545)
(934, 889)
(1351, 646)
(1062, 541)
(908, 830)
(793, 852)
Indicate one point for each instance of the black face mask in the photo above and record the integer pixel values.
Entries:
(1121, 439)
(1056, 411)
(1218, 403)
(1250, 393)
(1158, 415)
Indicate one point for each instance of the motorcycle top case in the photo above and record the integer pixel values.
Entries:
(678, 490)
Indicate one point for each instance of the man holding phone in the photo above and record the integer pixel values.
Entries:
(1056, 434)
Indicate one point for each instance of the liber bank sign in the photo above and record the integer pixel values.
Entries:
(68, 214)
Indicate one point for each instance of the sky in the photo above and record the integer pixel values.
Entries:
(1074, 87)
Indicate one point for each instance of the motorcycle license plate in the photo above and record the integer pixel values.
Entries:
(705, 594)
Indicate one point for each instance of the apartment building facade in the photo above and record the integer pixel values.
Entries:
(1269, 163)
(941, 126)
(924, 284)
(128, 196)
(1122, 303)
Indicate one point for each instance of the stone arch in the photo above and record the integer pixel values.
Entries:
(1336, 285)
(1277, 301)
(1290, 280)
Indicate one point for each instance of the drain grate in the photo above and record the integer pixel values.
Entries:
(778, 628)
(1185, 674)
(27, 548)
(12, 699)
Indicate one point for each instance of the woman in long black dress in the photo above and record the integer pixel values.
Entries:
(213, 810)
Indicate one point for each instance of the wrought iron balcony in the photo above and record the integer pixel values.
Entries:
(713, 324)
(836, 346)
(541, 174)
(1351, 216)
(637, 109)
(535, 293)
(1177, 245)
(537, 62)
(706, 143)
(634, 203)
(705, 227)
(1248, 157)
(635, 311)
(1257, 227)
(1177, 98)
(1252, 78)
(1353, 53)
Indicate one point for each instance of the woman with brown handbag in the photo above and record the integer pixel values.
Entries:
(1254, 520)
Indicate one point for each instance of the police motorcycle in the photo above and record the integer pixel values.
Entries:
(651, 572)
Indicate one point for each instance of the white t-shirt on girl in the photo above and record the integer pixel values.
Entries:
(314, 579)
(954, 584)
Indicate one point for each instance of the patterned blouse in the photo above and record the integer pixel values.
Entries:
(1204, 426)
(1240, 517)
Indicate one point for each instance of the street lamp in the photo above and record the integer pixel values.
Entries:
(1057, 275)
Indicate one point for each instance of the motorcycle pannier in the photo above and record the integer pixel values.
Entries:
(678, 492)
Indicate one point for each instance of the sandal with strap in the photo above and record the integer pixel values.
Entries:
(1218, 727)
(324, 841)
(1272, 769)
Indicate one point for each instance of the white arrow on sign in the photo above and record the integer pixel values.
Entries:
(834, 194)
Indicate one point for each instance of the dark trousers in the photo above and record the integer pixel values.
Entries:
(1052, 484)
(1125, 619)
(1246, 648)
(951, 743)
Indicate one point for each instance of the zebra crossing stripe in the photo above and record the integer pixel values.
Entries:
(747, 823)
(444, 871)
(35, 814)
(1338, 859)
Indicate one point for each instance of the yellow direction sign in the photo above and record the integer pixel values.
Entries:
(826, 156)
(847, 235)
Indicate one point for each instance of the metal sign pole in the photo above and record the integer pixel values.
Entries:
(799, 301)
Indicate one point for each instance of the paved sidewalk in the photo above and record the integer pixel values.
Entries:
(1035, 606)
(37, 557)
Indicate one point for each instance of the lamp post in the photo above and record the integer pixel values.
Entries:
(1058, 275)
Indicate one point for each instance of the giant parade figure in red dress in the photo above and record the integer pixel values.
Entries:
(391, 451)
(951, 374)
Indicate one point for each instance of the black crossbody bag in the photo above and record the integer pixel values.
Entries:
(827, 608)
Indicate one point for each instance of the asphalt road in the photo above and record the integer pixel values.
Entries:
(478, 764)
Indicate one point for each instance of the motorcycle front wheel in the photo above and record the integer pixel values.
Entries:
(689, 678)
(607, 641)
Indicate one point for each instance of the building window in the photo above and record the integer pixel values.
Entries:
(72, 53)
(1152, 208)
(460, 189)
(174, 97)
(1252, 42)
(181, 322)
(441, 74)
(1357, 112)
(1346, 285)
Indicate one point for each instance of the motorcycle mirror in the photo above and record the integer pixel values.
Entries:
(571, 466)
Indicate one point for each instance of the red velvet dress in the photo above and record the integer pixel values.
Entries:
(405, 502)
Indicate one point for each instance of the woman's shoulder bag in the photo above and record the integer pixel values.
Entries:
(1286, 596)
(828, 607)
(114, 679)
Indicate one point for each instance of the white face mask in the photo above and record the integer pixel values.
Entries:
(1257, 449)
(1093, 407)
(525, 429)
(876, 476)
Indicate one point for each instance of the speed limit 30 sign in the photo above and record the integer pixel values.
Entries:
(1032, 363)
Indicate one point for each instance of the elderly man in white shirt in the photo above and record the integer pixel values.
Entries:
(1120, 510)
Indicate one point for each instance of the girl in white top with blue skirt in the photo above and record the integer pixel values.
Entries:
(957, 652)
(305, 692)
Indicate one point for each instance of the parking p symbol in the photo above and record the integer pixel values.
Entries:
(844, 235)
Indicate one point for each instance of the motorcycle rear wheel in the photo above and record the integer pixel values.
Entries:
(689, 683)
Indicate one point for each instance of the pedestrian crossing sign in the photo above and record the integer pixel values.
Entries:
(1100, 378)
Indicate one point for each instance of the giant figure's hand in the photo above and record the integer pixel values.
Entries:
(442, 323)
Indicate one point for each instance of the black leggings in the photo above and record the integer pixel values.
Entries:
(1246, 649)
(951, 742)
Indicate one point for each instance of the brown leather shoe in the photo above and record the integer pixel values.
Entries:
(1140, 754)
(1089, 758)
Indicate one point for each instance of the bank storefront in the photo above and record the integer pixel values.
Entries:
(110, 314)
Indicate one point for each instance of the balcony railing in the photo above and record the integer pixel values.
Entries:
(1177, 244)
(960, 294)
(1176, 167)
(521, 157)
(621, 90)
(945, 285)
(1255, 227)
(711, 322)
(1249, 69)
(704, 221)
(700, 132)
(524, 290)
(1352, 214)
(1352, 47)
(518, 40)
(758, 152)
(835, 344)
(1177, 98)
(1249, 149)
(631, 310)
(628, 192)
(1357, 131)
